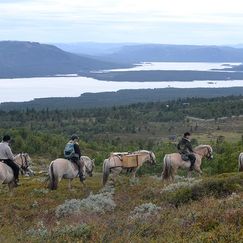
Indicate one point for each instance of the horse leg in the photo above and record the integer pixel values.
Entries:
(69, 185)
(199, 171)
(114, 173)
(134, 173)
(11, 186)
(189, 173)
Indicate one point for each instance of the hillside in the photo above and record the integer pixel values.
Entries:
(133, 210)
(142, 210)
(29, 59)
(122, 97)
(176, 53)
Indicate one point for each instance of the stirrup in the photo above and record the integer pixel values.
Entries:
(16, 182)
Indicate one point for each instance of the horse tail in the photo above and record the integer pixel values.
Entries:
(53, 180)
(167, 170)
(241, 162)
(106, 171)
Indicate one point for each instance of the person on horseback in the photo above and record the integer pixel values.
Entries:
(185, 148)
(72, 153)
(7, 157)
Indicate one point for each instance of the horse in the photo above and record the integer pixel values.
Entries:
(172, 162)
(63, 168)
(6, 173)
(114, 164)
(240, 162)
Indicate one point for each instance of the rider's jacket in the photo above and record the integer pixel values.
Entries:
(5, 152)
(184, 146)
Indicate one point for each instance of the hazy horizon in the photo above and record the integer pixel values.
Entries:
(139, 21)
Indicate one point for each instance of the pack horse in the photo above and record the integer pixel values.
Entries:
(118, 162)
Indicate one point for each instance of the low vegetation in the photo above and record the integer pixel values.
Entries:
(205, 209)
(208, 211)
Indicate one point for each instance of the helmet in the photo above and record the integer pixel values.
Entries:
(74, 136)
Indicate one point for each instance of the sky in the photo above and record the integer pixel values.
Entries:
(141, 21)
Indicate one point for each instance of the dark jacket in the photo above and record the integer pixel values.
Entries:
(185, 146)
(77, 150)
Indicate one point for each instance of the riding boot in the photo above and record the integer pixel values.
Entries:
(81, 175)
(16, 181)
(80, 172)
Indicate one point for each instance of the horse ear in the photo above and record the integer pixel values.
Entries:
(93, 161)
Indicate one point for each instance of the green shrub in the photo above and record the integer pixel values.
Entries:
(219, 186)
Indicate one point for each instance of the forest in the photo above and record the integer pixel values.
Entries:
(155, 126)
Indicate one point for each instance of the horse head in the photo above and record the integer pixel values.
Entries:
(209, 154)
(24, 161)
(152, 158)
(89, 166)
(205, 151)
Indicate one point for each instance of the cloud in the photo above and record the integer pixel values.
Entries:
(109, 19)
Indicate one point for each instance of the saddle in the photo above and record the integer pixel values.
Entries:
(185, 157)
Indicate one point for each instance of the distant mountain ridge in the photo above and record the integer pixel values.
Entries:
(175, 53)
(30, 59)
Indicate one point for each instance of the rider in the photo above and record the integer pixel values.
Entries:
(76, 156)
(7, 157)
(185, 148)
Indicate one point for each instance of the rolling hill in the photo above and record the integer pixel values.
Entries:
(31, 59)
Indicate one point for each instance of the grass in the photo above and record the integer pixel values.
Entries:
(210, 210)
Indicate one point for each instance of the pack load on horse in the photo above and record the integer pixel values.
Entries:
(72, 153)
(172, 162)
(120, 161)
(129, 160)
(65, 169)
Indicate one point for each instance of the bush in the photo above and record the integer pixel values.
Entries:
(144, 211)
(80, 231)
(67, 208)
(97, 203)
(219, 186)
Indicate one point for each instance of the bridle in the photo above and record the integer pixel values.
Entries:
(89, 171)
(209, 154)
(24, 161)
(152, 158)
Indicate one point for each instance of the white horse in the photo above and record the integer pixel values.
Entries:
(241, 162)
(6, 173)
(172, 162)
(115, 166)
(65, 169)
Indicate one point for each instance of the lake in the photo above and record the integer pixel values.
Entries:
(25, 89)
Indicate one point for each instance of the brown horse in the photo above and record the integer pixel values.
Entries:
(115, 166)
(6, 173)
(172, 162)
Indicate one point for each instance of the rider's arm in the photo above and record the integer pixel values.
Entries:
(9, 153)
(189, 146)
(77, 150)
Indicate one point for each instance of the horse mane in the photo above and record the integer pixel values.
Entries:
(142, 151)
(203, 146)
